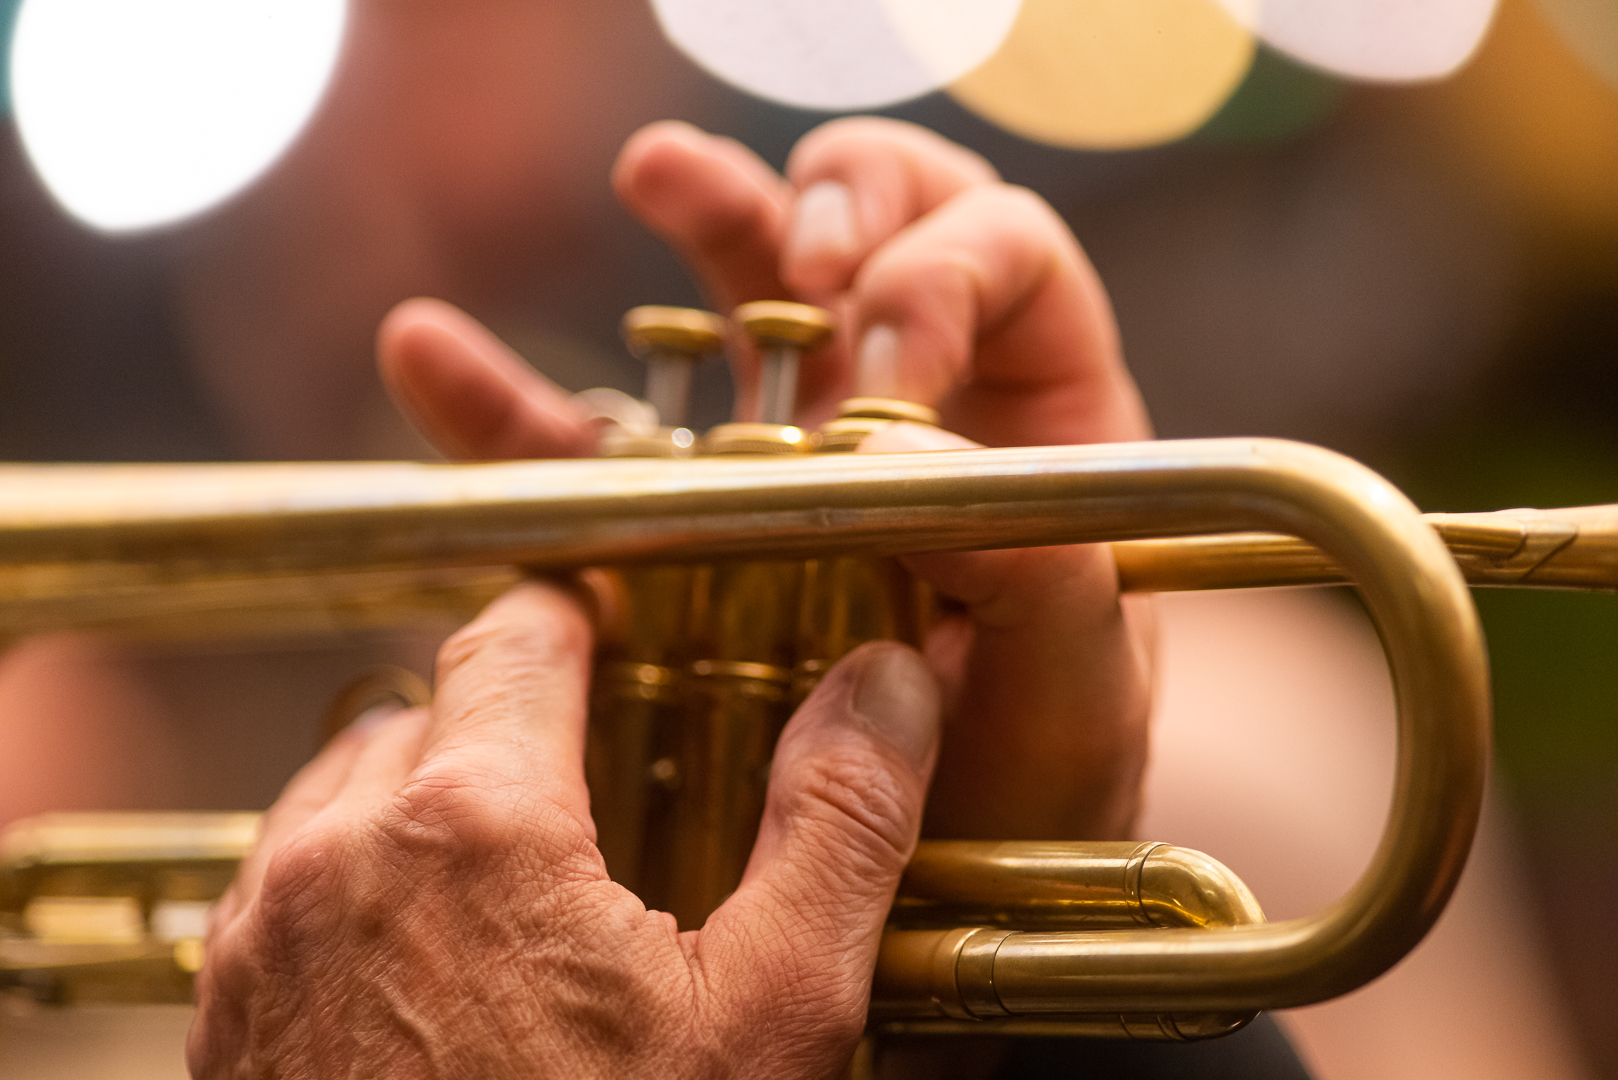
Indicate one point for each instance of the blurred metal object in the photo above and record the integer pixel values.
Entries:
(783, 331)
(376, 687)
(672, 341)
(113, 907)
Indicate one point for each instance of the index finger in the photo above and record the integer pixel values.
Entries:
(508, 710)
(715, 202)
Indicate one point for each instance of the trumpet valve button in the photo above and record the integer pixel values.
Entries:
(871, 408)
(651, 329)
(781, 322)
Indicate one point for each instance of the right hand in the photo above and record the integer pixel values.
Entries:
(953, 289)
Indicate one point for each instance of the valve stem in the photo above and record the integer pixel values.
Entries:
(782, 331)
(672, 341)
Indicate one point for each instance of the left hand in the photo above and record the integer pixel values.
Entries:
(427, 899)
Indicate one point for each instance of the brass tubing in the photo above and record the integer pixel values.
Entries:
(1033, 885)
(1025, 885)
(1571, 548)
(84, 528)
(67, 529)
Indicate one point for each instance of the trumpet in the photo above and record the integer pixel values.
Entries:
(735, 568)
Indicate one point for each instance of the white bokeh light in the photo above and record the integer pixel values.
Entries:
(138, 113)
(838, 54)
(1380, 40)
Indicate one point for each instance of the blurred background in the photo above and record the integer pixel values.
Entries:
(1424, 276)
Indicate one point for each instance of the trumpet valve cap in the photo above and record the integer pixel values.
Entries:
(871, 408)
(781, 322)
(653, 330)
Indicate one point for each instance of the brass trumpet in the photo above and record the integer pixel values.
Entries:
(742, 565)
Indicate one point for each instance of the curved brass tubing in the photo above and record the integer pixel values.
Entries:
(980, 889)
(1060, 885)
(979, 892)
(114, 535)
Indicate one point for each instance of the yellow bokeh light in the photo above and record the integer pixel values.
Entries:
(1110, 74)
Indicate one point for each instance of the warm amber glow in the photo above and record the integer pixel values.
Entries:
(1530, 120)
(1590, 29)
(1110, 73)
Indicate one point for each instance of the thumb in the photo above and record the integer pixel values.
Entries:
(841, 818)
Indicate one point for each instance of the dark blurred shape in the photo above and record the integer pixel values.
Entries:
(91, 367)
(1257, 1052)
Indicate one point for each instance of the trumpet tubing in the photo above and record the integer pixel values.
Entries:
(731, 571)
(1568, 548)
(731, 519)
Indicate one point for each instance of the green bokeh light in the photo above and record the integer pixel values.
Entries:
(1278, 100)
(1555, 682)
(8, 18)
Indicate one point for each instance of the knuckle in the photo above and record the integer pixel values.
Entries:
(1022, 199)
(929, 287)
(299, 874)
(848, 800)
(858, 140)
(553, 630)
(301, 902)
(445, 818)
(454, 822)
(848, 138)
(1013, 210)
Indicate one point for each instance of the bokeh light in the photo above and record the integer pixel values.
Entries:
(837, 54)
(1381, 40)
(1111, 74)
(8, 17)
(1280, 99)
(137, 114)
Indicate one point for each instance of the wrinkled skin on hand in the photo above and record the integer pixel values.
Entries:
(428, 901)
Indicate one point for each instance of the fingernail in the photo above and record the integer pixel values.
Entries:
(823, 223)
(374, 717)
(876, 364)
(897, 697)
